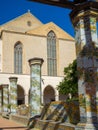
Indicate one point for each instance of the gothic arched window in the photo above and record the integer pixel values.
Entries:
(18, 58)
(51, 54)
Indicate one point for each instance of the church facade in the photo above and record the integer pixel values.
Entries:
(24, 38)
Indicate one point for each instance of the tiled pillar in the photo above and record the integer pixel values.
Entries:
(5, 97)
(0, 99)
(13, 94)
(56, 96)
(87, 63)
(35, 85)
(26, 98)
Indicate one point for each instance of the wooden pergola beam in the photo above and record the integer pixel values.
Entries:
(60, 3)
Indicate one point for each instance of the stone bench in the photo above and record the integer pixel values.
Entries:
(20, 119)
(5, 115)
(56, 113)
(23, 110)
(22, 115)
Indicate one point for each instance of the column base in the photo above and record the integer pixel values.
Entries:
(86, 126)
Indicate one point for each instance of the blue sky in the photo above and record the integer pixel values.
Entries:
(10, 9)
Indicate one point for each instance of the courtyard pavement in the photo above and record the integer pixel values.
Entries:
(6, 124)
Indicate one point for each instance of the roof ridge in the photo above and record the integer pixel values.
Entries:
(52, 24)
(20, 17)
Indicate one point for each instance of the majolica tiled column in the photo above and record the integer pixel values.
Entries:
(87, 63)
(5, 97)
(35, 85)
(13, 94)
(56, 96)
(0, 99)
(26, 98)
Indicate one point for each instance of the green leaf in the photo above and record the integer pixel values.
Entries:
(70, 82)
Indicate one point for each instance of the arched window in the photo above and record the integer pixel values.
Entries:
(51, 54)
(18, 58)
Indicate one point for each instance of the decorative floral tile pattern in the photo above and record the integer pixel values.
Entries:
(35, 90)
(87, 65)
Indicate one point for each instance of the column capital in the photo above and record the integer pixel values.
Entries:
(86, 9)
(13, 79)
(5, 85)
(35, 60)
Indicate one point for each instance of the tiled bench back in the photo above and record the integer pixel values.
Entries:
(61, 111)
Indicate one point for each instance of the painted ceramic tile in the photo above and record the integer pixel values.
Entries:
(13, 96)
(35, 90)
(91, 30)
(87, 53)
(5, 99)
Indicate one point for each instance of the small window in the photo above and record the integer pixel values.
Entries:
(29, 23)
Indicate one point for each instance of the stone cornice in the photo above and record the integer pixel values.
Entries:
(32, 35)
